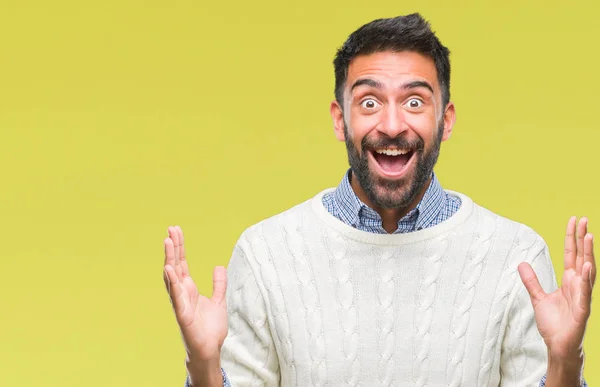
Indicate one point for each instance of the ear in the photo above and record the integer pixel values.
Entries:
(449, 120)
(337, 115)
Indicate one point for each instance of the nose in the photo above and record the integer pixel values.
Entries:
(393, 121)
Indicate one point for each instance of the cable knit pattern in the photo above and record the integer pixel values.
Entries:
(296, 247)
(386, 312)
(315, 302)
(424, 315)
(340, 267)
(518, 367)
(272, 285)
(523, 242)
(248, 330)
(520, 356)
(485, 230)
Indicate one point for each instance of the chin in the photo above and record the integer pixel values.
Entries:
(391, 193)
(392, 199)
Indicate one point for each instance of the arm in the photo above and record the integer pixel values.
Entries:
(523, 358)
(561, 316)
(230, 329)
(248, 355)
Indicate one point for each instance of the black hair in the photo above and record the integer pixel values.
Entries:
(401, 33)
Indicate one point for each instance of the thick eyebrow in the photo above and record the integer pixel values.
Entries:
(416, 85)
(378, 85)
(367, 81)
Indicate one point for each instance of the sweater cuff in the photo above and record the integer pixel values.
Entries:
(543, 382)
(225, 380)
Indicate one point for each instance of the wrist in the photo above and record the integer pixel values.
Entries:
(204, 372)
(565, 370)
(566, 359)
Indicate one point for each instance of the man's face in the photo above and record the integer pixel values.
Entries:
(393, 124)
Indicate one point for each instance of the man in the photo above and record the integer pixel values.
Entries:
(388, 280)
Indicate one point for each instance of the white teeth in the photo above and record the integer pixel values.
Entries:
(391, 152)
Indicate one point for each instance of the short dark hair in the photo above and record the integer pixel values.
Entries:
(401, 33)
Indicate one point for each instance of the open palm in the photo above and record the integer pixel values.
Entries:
(202, 320)
(562, 315)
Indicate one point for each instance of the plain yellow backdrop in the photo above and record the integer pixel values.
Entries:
(120, 118)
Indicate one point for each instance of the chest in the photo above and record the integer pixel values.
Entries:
(422, 314)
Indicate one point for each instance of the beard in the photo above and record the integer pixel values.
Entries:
(399, 193)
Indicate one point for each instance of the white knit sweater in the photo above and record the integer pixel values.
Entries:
(315, 302)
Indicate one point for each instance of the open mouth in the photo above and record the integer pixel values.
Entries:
(392, 162)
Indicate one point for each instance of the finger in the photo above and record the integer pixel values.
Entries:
(175, 239)
(169, 252)
(531, 283)
(570, 244)
(585, 299)
(581, 231)
(588, 255)
(174, 289)
(185, 272)
(219, 284)
(567, 285)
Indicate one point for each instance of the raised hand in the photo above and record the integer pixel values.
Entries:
(562, 315)
(202, 320)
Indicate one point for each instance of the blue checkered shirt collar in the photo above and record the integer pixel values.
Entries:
(352, 211)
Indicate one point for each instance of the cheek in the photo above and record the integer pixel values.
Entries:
(424, 125)
(361, 125)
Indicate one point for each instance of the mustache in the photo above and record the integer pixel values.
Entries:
(368, 143)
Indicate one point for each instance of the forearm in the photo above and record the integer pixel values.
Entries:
(204, 372)
(565, 372)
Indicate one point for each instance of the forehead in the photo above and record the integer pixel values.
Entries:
(393, 68)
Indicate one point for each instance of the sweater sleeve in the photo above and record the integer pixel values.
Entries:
(225, 380)
(524, 356)
(248, 355)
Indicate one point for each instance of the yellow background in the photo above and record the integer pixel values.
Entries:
(119, 118)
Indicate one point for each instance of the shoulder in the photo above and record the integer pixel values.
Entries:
(510, 233)
(258, 241)
(511, 243)
(521, 244)
(291, 218)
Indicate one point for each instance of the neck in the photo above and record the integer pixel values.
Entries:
(389, 216)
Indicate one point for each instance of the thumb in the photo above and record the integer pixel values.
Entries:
(219, 284)
(531, 283)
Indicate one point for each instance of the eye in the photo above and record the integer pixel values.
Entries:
(369, 104)
(414, 103)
